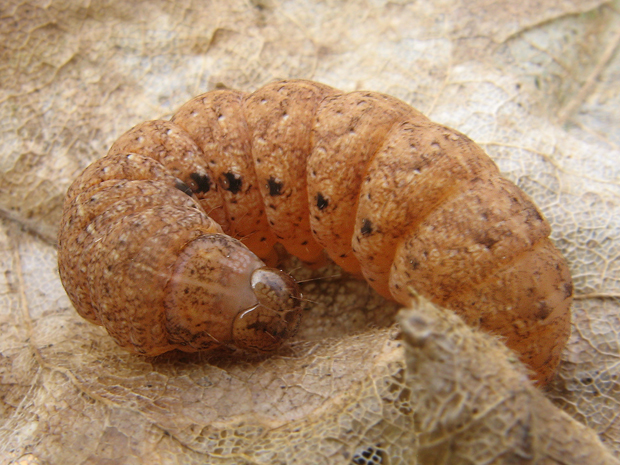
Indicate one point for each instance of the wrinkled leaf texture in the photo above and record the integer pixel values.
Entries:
(534, 82)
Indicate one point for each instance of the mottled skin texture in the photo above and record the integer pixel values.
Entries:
(348, 132)
(168, 144)
(139, 255)
(281, 121)
(411, 205)
(216, 122)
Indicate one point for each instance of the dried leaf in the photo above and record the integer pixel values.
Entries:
(75, 75)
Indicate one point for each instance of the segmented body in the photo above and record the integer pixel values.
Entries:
(410, 205)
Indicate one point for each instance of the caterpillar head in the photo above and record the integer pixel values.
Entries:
(222, 294)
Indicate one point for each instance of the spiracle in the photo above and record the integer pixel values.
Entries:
(164, 240)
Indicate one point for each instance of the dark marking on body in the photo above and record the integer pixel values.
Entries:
(486, 240)
(321, 202)
(543, 311)
(232, 182)
(366, 228)
(202, 181)
(275, 186)
(533, 212)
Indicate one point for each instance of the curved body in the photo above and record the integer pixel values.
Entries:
(410, 205)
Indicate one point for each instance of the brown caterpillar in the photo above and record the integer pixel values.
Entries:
(391, 196)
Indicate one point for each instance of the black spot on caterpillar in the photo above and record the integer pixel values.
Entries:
(275, 187)
(410, 205)
(231, 182)
(321, 202)
(203, 183)
(366, 228)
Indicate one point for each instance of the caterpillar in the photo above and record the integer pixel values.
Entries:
(164, 240)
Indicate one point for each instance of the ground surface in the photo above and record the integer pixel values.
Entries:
(535, 84)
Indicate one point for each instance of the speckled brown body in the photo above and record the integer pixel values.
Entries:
(411, 205)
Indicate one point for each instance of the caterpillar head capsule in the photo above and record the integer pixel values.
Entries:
(222, 294)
